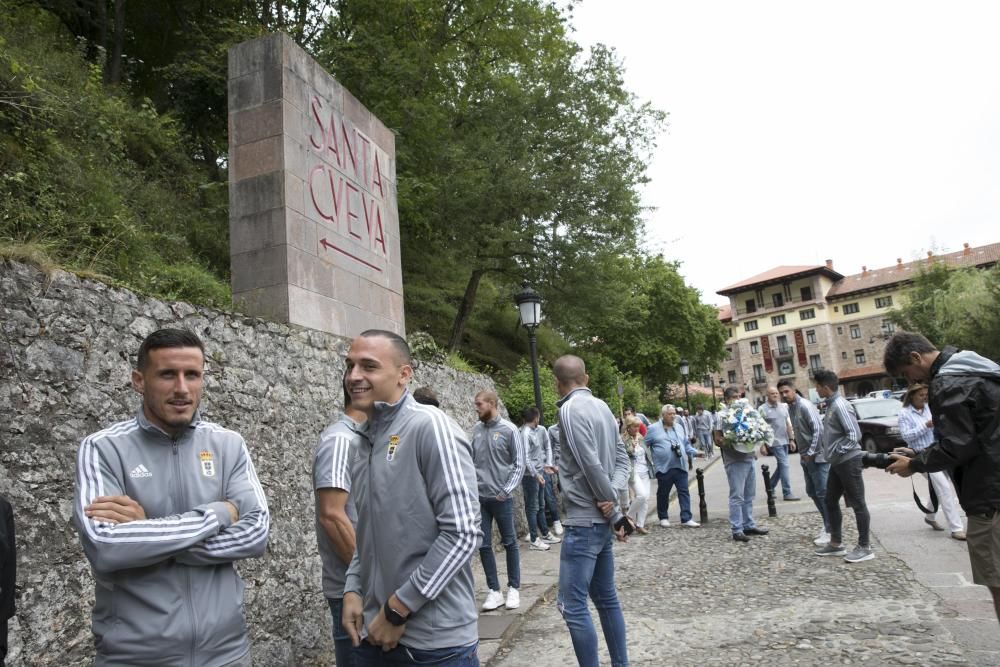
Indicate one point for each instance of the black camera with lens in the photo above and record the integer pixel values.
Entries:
(676, 449)
(880, 461)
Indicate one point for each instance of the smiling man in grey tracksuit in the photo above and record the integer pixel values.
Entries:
(593, 467)
(409, 596)
(165, 504)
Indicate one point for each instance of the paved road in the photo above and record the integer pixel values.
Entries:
(692, 596)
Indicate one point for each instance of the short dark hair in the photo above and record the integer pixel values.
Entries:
(398, 343)
(164, 338)
(529, 414)
(827, 378)
(426, 396)
(347, 392)
(730, 391)
(786, 382)
(901, 346)
(629, 408)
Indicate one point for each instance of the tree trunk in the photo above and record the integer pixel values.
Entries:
(113, 70)
(465, 310)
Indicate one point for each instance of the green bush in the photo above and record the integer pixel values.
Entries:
(105, 184)
(519, 392)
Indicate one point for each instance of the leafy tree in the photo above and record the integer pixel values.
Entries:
(659, 320)
(958, 307)
(513, 153)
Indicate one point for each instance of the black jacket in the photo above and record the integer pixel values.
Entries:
(965, 406)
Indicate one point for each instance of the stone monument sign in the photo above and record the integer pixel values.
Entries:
(314, 230)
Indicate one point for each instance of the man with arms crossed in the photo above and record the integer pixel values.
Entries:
(593, 466)
(808, 431)
(165, 585)
(842, 449)
(409, 597)
(965, 406)
(336, 516)
(498, 454)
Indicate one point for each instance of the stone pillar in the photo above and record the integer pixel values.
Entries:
(314, 229)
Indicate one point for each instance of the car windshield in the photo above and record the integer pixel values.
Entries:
(881, 407)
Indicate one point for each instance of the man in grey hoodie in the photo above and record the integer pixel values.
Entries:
(498, 454)
(841, 447)
(409, 596)
(593, 467)
(166, 503)
(965, 407)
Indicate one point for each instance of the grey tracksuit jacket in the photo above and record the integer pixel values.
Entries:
(167, 592)
(415, 489)
(338, 445)
(841, 433)
(593, 463)
(499, 457)
(536, 442)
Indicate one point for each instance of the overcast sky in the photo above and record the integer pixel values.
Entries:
(801, 131)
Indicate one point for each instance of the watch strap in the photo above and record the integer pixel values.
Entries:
(393, 616)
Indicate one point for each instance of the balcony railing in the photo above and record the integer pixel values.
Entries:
(812, 371)
(782, 352)
(759, 381)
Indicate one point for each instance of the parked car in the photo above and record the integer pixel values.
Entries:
(879, 422)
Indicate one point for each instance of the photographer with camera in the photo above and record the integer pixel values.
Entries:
(965, 404)
(916, 427)
(670, 449)
(842, 450)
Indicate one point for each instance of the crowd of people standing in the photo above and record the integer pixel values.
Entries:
(393, 466)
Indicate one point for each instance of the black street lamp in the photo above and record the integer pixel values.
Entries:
(529, 304)
(684, 374)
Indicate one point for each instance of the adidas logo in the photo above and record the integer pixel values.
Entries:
(140, 471)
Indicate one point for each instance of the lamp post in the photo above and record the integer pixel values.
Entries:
(529, 305)
(684, 374)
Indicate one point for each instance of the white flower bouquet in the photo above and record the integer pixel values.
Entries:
(743, 428)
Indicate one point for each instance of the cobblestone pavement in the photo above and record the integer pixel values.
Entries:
(693, 596)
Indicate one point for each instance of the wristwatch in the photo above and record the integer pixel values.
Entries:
(392, 615)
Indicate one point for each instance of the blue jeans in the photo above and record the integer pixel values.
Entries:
(341, 641)
(533, 509)
(742, 489)
(781, 455)
(503, 512)
(587, 567)
(367, 655)
(551, 506)
(816, 475)
(705, 440)
(665, 480)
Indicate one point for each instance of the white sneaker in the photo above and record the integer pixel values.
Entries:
(493, 601)
(664, 523)
(822, 539)
(527, 538)
(551, 539)
(691, 523)
(557, 527)
(538, 545)
(513, 599)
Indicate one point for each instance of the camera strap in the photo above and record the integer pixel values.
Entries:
(934, 498)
